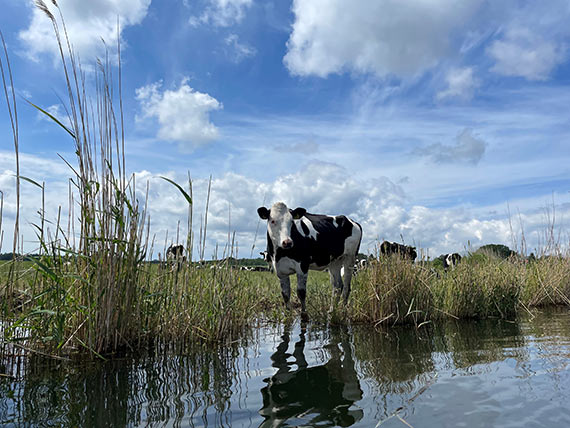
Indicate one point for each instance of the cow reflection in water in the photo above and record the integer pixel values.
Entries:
(321, 395)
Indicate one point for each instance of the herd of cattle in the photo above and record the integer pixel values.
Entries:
(298, 241)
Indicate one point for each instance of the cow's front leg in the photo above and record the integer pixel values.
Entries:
(302, 289)
(286, 290)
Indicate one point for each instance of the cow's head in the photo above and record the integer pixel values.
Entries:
(279, 222)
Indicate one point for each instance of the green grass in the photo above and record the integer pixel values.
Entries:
(203, 305)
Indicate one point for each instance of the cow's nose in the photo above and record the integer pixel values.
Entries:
(288, 243)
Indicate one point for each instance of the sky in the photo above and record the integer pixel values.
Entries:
(442, 124)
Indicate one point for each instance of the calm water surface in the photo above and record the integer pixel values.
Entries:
(472, 374)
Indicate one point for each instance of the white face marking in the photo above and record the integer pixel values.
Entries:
(279, 224)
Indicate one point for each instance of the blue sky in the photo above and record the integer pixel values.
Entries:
(427, 120)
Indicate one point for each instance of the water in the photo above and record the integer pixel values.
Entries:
(469, 373)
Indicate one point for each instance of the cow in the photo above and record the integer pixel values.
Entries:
(175, 256)
(406, 252)
(298, 241)
(361, 264)
(265, 256)
(358, 266)
(451, 260)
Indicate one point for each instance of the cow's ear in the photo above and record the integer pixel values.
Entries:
(297, 213)
(263, 213)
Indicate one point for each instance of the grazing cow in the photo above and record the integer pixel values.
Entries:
(298, 241)
(175, 256)
(451, 260)
(406, 252)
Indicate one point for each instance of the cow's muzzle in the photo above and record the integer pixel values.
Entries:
(287, 243)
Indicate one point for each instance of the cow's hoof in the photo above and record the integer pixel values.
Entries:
(304, 316)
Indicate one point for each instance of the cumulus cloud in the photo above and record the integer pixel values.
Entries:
(468, 149)
(87, 23)
(182, 114)
(525, 53)
(379, 205)
(380, 37)
(222, 13)
(237, 50)
(460, 84)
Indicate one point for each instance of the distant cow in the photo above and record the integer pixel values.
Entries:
(406, 252)
(265, 256)
(175, 255)
(298, 241)
(451, 260)
(358, 266)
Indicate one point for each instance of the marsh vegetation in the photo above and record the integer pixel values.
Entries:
(92, 289)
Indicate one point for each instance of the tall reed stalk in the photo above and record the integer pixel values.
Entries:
(112, 237)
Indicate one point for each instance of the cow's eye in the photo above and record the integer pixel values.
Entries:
(272, 221)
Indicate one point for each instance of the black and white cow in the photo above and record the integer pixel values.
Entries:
(175, 255)
(298, 241)
(387, 248)
(265, 256)
(451, 260)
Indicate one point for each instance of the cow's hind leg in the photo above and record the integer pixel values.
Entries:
(348, 271)
(302, 289)
(336, 281)
(286, 290)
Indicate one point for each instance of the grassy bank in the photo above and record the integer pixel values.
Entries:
(217, 304)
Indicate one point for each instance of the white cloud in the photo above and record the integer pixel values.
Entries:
(237, 50)
(460, 84)
(381, 206)
(86, 22)
(222, 13)
(525, 53)
(182, 114)
(380, 37)
(468, 148)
